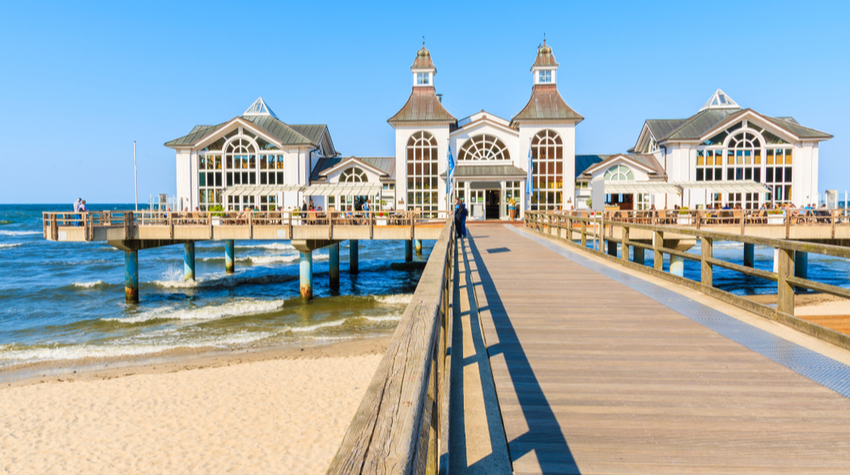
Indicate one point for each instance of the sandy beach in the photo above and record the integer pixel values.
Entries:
(822, 309)
(271, 411)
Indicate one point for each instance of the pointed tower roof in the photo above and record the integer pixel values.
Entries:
(423, 105)
(544, 57)
(259, 108)
(719, 100)
(546, 102)
(423, 59)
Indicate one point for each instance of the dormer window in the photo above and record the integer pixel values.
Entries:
(422, 79)
(544, 76)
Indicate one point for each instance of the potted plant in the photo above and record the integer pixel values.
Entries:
(216, 213)
(775, 216)
(381, 219)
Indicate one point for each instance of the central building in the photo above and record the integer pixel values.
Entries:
(491, 153)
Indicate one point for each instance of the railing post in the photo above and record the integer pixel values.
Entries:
(331, 234)
(699, 219)
(625, 242)
(657, 244)
(743, 220)
(833, 217)
(569, 234)
(290, 226)
(787, 223)
(128, 225)
(785, 291)
(707, 271)
(171, 225)
(584, 234)
(250, 225)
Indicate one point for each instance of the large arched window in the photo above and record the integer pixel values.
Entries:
(422, 172)
(353, 175)
(484, 147)
(619, 173)
(240, 162)
(547, 153)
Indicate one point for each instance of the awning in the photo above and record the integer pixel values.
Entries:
(743, 186)
(652, 187)
(264, 190)
(344, 189)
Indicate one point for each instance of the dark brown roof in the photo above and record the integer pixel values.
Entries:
(423, 105)
(545, 56)
(546, 104)
(423, 59)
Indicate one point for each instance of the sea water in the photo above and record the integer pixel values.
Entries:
(62, 301)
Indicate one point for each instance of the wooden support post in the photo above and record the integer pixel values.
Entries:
(353, 257)
(171, 225)
(250, 225)
(785, 291)
(787, 223)
(657, 244)
(333, 268)
(749, 254)
(584, 234)
(625, 243)
(707, 271)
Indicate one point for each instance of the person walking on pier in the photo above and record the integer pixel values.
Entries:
(77, 210)
(460, 218)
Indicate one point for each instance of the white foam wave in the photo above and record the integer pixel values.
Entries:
(274, 246)
(236, 308)
(398, 299)
(388, 318)
(76, 352)
(176, 284)
(318, 326)
(271, 259)
(89, 285)
(19, 233)
(7, 246)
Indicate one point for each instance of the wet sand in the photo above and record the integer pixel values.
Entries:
(269, 411)
(822, 309)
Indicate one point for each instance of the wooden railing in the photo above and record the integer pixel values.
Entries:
(397, 428)
(567, 227)
(53, 221)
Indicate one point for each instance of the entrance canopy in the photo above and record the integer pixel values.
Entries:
(743, 186)
(251, 190)
(641, 187)
(344, 189)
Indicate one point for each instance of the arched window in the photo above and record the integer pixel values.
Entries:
(353, 175)
(240, 166)
(547, 153)
(484, 147)
(619, 173)
(422, 172)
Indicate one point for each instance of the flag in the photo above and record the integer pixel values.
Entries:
(450, 174)
(528, 188)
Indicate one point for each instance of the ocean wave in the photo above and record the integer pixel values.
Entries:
(318, 326)
(8, 246)
(385, 319)
(270, 259)
(13, 355)
(274, 246)
(237, 308)
(224, 281)
(19, 233)
(90, 285)
(398, 299)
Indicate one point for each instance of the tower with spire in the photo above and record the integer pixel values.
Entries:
(421, 130)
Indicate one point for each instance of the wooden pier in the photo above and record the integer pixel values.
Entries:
(598, 366)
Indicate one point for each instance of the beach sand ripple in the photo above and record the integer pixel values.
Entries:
(269, 416)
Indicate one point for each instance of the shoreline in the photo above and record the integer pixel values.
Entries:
(183, 359)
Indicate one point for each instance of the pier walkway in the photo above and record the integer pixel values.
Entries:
(598, 370)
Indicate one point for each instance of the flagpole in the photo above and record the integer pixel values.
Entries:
(135, 176)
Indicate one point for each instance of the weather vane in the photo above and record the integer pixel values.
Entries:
(423, 41)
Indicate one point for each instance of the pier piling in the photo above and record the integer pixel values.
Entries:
(408, 250)
(353, 258)
(801, 264)
(612, 248)
(749, 254)
(306, 275)
(639, 256)
(417, 244)
(677, 265)
(228, 256)
(131, 276)
(333, 270)
(189, 260)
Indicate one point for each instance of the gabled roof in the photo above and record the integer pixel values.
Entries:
(283, 133)
(259, 107)
(583, 162)
(647, 162)
(698, 124)
(663, 127)
(351, 161)
(791, 125)
(385, 164)
(193, 137)
(546, 104)
(423, 105)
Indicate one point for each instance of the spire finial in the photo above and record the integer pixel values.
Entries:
(423, 41)
(544, 37)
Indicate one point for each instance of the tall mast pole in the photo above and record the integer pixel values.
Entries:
(135, 176)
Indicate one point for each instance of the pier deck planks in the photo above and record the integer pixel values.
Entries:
(594, 377)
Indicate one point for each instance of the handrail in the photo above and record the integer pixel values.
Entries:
(398, 424)
(563, 226)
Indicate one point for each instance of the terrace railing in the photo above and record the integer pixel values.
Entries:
(569, 226)
(399, 425)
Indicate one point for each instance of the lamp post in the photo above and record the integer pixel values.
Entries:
(135, 177)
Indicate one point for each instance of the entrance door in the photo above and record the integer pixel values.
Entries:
(492, 201)
(475, 205)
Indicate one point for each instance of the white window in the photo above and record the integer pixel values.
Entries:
(484, 147)
(422, 79)
(544, 76)
(422, 173)
(619, 173)
(547, 154)
(353, 175)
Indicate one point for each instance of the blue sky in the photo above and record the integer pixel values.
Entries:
(81, 80)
